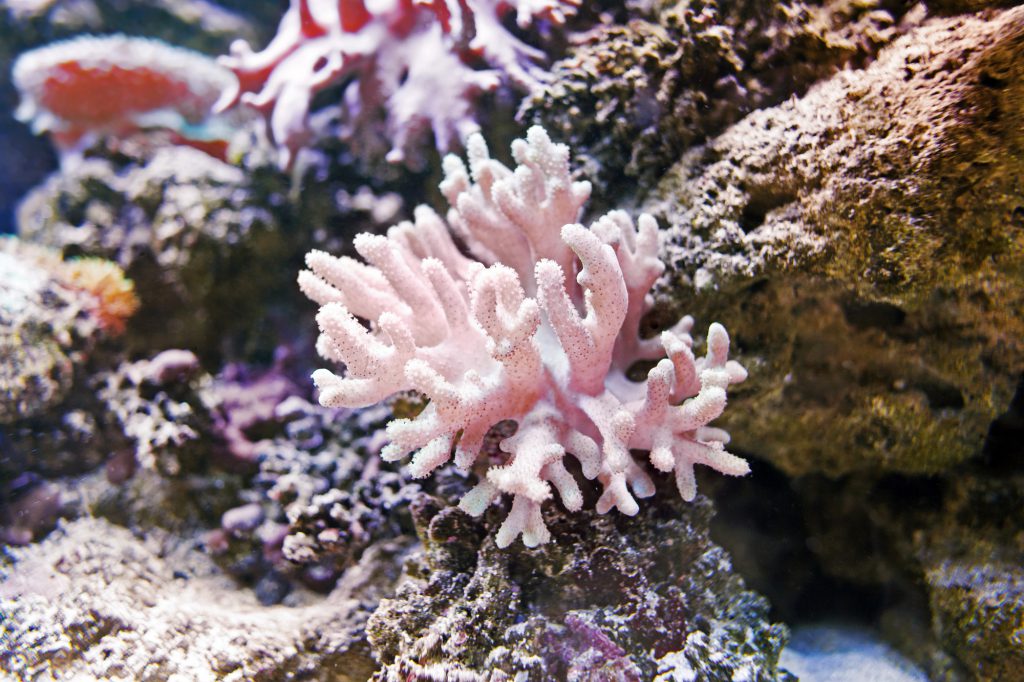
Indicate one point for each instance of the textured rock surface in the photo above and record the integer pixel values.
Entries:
(946, 553)
(972, 557)
(864, 243)
(46, 326)
(961, 6)
(135, 443)
(212, 247)
(615, 597)
(631, 97)
(320, 497)
(95, 602)
(185, 227)
(52, 339)
(978, 609)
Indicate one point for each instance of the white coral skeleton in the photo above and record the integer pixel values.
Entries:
(541, 329)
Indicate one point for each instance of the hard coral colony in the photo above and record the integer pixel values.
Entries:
(509, 337)
(413, 66)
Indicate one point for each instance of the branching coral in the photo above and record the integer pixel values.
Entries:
(541, 331)
(412, 59)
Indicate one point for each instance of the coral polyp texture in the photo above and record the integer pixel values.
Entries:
(417, 62)
(541, 329)
(78, 89)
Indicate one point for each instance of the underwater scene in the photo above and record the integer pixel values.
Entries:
(512, 340)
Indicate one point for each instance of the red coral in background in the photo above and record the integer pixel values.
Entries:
(82, 89)
(412, 63)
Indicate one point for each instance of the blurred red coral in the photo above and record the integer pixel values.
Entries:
(89, 87)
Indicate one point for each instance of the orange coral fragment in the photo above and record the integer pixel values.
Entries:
(106, 283)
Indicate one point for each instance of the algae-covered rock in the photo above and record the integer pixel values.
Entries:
(186, 227)
(864, 246)
(213, 248)
(613, 597)
(942, 555)
(44, 323)
(972, 559)
(135, 442)
(978, 609)
(59, 322)
(629, 98)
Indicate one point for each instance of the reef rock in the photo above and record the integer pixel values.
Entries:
(865, 242)
(320, 498)
(629, 98)
(612, 598)
(185, 227)
(57, 320)
(975, 579)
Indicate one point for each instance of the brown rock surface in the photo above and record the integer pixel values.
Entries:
(864, 244)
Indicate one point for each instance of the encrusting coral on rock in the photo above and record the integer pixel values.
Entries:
(544, 334)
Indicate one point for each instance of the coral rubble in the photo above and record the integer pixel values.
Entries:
(94, 602)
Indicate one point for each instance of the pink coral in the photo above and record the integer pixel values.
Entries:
(542, 330)
(80, 89)
(413, 60)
